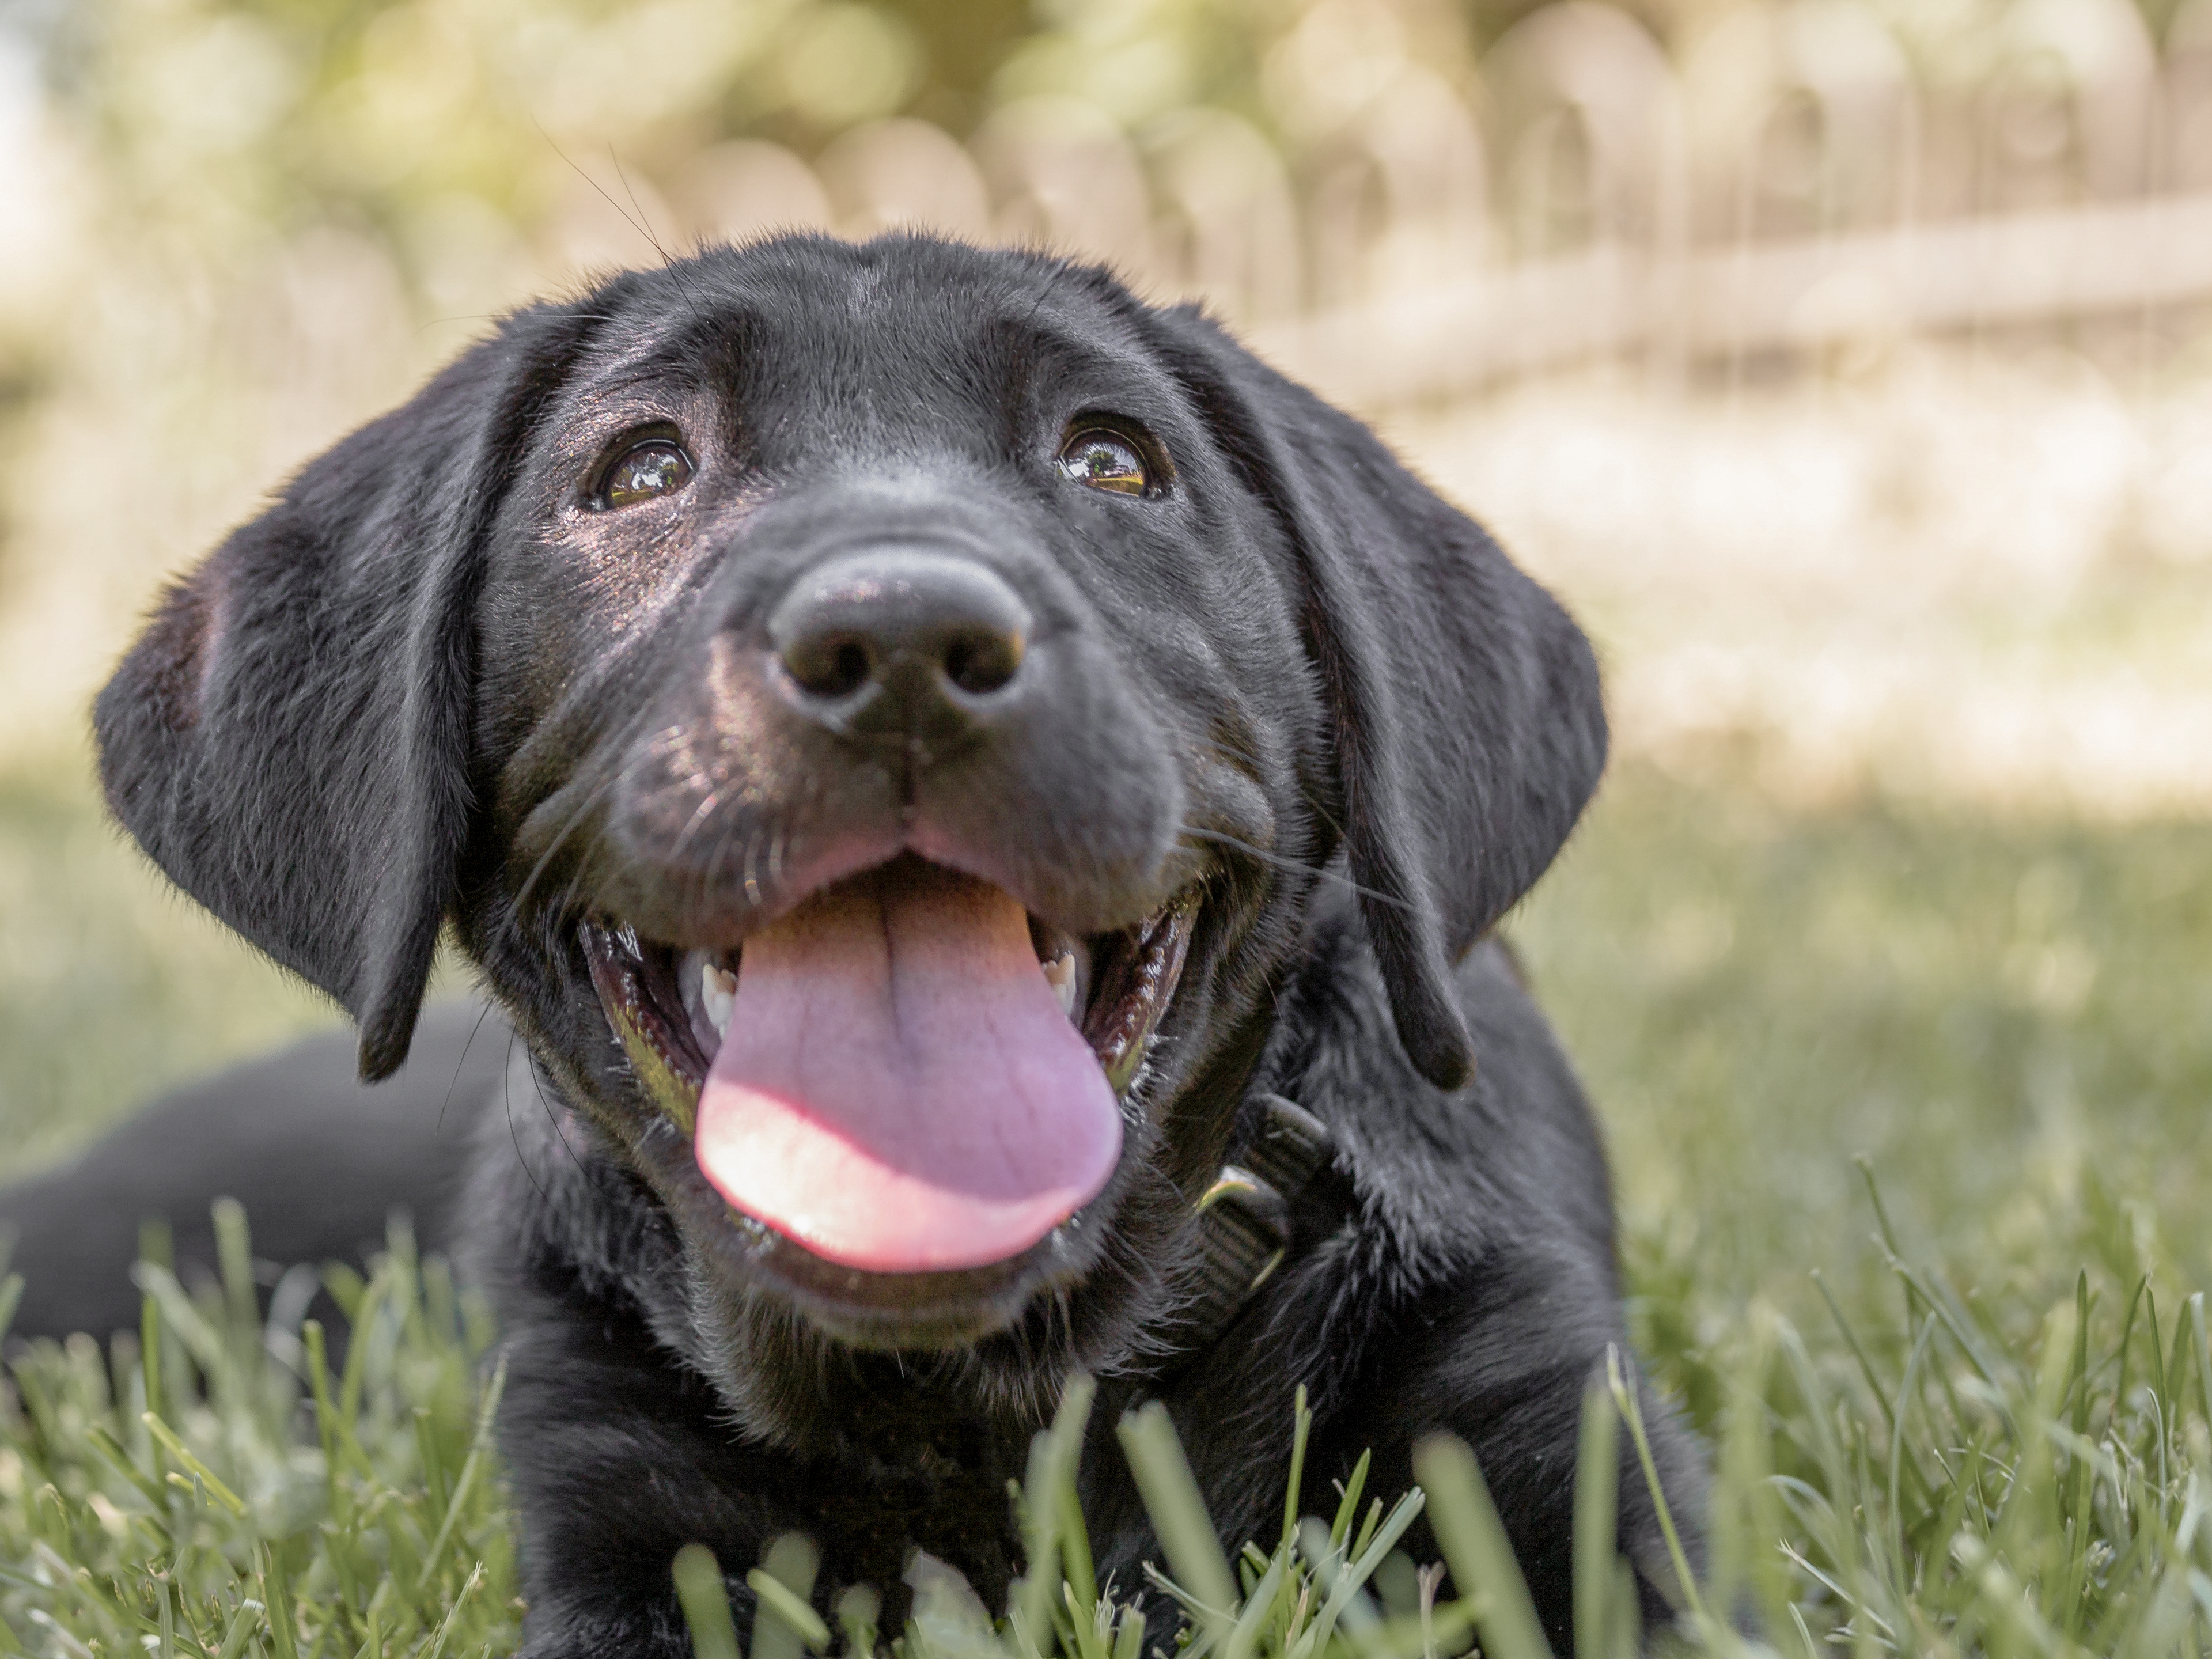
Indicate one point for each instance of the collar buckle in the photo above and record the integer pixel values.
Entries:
(1245, 1217)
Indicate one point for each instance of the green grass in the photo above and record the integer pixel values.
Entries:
(1978, 1423)
(2011, 1020)
(209, 1487)
(1934, 1481)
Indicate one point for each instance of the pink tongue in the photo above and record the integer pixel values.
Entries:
(899, 1091)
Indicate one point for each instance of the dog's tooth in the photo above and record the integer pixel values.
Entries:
(1060, 973)
(718, 994)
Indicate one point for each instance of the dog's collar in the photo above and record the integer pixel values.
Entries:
(1245, 1219)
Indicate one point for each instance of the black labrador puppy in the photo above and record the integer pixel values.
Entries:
(950, 771)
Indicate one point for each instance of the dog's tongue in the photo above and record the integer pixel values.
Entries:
(899, 1091)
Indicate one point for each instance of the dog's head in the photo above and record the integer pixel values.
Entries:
(877, 714)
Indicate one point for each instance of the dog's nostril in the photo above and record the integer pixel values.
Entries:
(983, 661)
(828, 665)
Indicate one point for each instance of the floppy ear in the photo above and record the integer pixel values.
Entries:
(289, 738)
(1469, 726)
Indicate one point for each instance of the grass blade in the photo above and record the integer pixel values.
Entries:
(705, 1600)
(856, 1610)
(1301, 1430)
(206, 1476)
(1472, 1539)
(1623, 1397)
(785, 1606)
(1597, 1523)
(1178, 1513)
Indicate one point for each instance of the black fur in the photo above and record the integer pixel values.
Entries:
(324, 1160)
(431, 683)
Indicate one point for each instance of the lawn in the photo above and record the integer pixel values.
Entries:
(1972, 1421)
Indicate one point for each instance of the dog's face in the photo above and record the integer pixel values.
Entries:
(859, 762)
(878, 716)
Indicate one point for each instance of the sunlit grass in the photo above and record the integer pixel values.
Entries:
(210, 1487)
(2011, 1018)
(1938, 1473)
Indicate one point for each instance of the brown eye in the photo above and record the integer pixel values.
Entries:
(1104, 460)
(655, 467)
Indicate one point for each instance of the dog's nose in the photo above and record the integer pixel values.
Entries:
(930, 627)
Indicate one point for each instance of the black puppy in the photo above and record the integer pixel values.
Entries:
(927, 751)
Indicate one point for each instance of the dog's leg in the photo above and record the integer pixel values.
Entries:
(617, 1459)
(1506, 1370)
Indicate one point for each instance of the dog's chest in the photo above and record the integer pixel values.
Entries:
(950, 1498)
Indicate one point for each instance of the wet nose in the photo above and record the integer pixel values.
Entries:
(928, 628)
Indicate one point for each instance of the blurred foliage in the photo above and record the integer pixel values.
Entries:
(231, 123)
(270, 114)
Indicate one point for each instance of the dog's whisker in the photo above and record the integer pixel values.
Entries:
(700, 815)
(461, 1064)
(507, 1098)
(636, 223)
(644, 224)
(553, 1119)
(600, 792)
(1318, 871)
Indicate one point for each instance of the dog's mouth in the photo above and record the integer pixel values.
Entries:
(906, 1074)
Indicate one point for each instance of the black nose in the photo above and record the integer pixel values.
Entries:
(908, 621)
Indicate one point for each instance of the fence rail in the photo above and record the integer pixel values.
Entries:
(2112, 261)
(1792, 180)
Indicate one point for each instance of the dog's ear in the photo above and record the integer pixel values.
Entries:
(289, 739)
(1469, 726)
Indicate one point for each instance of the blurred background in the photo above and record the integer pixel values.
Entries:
(1847, 364)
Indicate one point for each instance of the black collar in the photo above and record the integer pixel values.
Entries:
(1245, 1220)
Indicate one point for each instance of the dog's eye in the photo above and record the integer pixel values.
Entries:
(1104, 460)
(658, 466)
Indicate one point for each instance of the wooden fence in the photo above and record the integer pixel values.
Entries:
(1800, 178)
